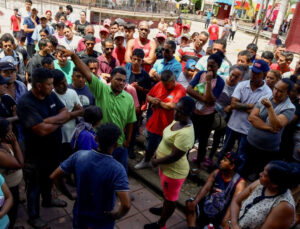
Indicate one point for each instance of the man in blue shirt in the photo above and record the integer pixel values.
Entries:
(98, 178)
(167, 63)
(43, 25)
(29, 25)
(208, 17)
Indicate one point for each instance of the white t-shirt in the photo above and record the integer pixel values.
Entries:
(183, 80)
(69, 99)
(71, 44)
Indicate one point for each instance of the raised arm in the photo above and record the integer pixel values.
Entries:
(82, 67)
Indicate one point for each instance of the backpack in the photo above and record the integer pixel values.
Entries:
(216, 204)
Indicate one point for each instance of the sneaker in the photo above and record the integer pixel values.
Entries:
(143, 164)
(156, 211)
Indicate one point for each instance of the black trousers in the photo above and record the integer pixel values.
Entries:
(13, 212)
(202, 127)
(257, 159)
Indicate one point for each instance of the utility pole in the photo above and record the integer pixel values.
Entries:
(259, 12)
(232, 10)
(281, 14)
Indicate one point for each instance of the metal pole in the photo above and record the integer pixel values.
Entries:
(5, 4)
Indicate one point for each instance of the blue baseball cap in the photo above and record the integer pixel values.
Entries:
(190, 64)
(9, 59)
(260, 66)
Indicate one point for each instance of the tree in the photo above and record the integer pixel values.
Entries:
(197, 4)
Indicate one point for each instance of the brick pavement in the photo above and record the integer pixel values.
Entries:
(61, 218)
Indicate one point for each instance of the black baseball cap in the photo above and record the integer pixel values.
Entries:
(7, 66)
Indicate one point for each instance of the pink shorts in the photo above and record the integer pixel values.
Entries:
(171, 187)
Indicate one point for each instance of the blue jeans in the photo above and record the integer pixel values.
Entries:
(152, 142)
(121, 155)
(231, 137)
(210, 43)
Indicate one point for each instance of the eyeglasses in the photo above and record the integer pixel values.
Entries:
(142, 29)
(107, 49)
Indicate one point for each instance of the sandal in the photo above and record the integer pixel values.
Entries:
(56, 203)
(38, 223)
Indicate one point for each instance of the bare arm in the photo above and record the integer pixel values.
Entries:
(167, 106)
(27, 30)
(236, 104)
(174, 156)
(257, 122)
(237, 202)
(61, 118)
(150, 59)
(128, 134)
(280, 217)
(8, 200)
(124, 207)
(56, 177)
(277, 122)
(195, 94)
(129, 50)
(239, 188)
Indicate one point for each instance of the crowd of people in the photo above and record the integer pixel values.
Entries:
(72, 103)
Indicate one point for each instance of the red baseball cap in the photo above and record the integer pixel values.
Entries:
(103, 29)
(186, 26)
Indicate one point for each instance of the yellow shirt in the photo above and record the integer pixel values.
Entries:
(183, 140)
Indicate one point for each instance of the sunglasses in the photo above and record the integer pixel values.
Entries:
(107, 49)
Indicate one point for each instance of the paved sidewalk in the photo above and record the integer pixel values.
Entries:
(61, 218)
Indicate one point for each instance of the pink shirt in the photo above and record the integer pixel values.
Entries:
(81, 45)
(132, 91)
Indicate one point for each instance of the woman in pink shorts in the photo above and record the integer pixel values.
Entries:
(178, 139)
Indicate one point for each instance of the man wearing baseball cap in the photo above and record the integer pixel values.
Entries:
(216, 184)
(8, 69)
(186, 76)
(107, 23)
(43, 25)
(120, 50)
(246, 94)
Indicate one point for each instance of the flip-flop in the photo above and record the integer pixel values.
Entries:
(38, 223)
(56, 203)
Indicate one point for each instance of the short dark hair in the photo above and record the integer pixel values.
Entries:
(239, 67)
(117, 70)
(69, 7)
(93, 114)
(245, 53)
(89, 37)
(43, 43)
(7, 37)
(221, 42)
(172, 44)
(107, 40)
(4, 124)
(53, 40)
(47, 60)
(289, 83)
(16, 9)
(60, 7)
(204, 33)
(108, 135)
(139, 53)
(267, 55)
(92, 60)
(28, 1)
(281, 174)
(44, 31)
(188, 105)
(167, 75)
(58, 76)
(281, 46)
(129, 25)
(115, 23)
(253, 47)
(276, 73)
(40, 75)
(288, 56)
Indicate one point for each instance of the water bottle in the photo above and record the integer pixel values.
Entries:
(209, 226)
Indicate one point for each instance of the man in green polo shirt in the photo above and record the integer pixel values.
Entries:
(117, 105)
